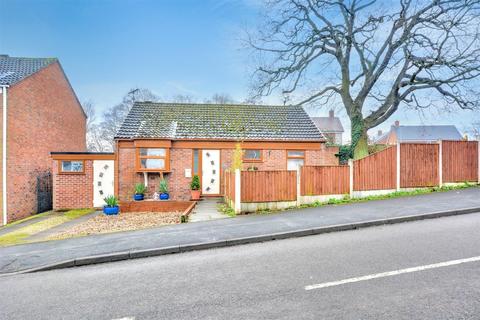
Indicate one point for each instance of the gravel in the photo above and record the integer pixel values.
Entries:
(124, 221)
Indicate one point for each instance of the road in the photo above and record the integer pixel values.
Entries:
(298, 278)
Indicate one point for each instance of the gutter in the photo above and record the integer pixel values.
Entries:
(4, 153)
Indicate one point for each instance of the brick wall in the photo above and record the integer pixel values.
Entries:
(43, 116)
(181, 159)
(72, 191)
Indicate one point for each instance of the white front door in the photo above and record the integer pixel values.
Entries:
(103, 178)
(210, 172)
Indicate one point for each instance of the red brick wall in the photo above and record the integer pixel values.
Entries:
(181, 159)
(43, 116)
(72, 191)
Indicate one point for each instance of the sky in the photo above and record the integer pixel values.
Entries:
(171, 47)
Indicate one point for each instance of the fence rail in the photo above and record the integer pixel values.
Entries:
(322, 180)
(265, 186)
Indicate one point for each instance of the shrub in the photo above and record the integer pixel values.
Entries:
(140, 188)
(163, 186)
(195, 184)
(111, 201)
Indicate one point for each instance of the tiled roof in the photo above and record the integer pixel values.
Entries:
(218, 121)
(14, 69)
(422, 133)
(328, 124)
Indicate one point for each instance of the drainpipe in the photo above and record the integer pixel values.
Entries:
(4, 154)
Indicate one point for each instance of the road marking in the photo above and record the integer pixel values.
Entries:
(391, 273)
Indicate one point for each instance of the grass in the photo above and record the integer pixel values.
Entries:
(21, 235)
(36, 216)
(223, 208)
(347, 200)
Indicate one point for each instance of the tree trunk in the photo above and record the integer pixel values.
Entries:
(359, 137)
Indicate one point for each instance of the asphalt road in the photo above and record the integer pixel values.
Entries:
(269, 280)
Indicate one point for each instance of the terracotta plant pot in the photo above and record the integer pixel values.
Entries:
(195, 194)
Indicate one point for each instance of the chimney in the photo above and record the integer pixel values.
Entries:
(331, 113)
(397, 123)
(380, 133)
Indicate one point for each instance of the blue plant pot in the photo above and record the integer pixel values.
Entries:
(111, 210)
(138, 197)
(164, 196)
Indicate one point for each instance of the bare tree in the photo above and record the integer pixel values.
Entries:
(113, 117)
(220, 98)
(372, 56)
(183, 98)
(95, 140)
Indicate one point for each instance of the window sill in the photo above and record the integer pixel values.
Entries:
(74, 173)
(252, 161)
(153, 171)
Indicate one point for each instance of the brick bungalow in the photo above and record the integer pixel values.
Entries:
(40, 113)
(177, 141)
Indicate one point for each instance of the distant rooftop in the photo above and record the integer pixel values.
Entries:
(422, 133)
(15, 69)
(330, 124)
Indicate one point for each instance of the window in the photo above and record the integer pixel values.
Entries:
(196, 162)
(252, 155)
(152, 159)
(295, 159)
(71, 166)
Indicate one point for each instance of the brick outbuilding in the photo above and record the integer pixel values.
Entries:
(43, 114)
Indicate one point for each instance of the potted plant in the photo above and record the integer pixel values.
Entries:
(163, 189)
(111, 206)
(139, 192)
(195, 188)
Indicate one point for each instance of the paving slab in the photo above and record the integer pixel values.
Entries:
(206, 210)
(237, 230)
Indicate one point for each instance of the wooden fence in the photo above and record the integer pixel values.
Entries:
(376, 172)
(419, 165)
(322, 180)
(265, 186)
(230, 185)
(459, 161)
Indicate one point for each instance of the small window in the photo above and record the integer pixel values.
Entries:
(252, 155)
(196, 163)
(152, 159)
(295, 159)
(71, 166)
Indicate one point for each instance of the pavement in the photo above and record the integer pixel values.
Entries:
(269, 280)
(207, 210)
(234, 231)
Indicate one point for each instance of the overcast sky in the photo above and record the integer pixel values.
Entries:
(169, 46)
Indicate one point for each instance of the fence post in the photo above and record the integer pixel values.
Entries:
(440, 163)
(350, 166)
(238, 193)
(398, 166)
(299, 175)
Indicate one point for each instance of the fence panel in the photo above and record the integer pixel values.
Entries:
(376, 172)
(230, 185)
(264, 186)
(459, 161)
(418, 165)
(324, 180)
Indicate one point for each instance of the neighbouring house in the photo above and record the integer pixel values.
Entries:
(177, 141)
(420, 134)
(40, 113)
(331, 127)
